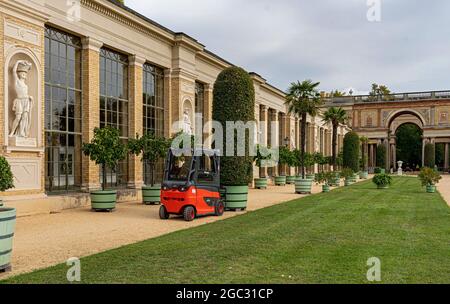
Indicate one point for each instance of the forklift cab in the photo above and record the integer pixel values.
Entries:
(191, 184)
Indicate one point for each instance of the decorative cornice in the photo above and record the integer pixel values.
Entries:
(136, 60)
(111, 13)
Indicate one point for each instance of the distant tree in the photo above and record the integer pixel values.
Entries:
(351, 151)
(381, 156)
(337, 93)
(379, 92)
(409, 145)
(430, 155)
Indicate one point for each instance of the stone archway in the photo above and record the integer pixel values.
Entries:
(409, 124)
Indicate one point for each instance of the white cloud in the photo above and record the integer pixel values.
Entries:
(326, 40)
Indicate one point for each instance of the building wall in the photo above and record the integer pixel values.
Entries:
(102, 24)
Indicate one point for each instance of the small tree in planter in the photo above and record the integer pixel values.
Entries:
(308, 162)
(324, 178)
(383, 181)
(106, 150)
(351, 151)
(364, 157)
(348, 174)
(153, 149)
(429, 179)
(7, 217)
(262, 155)
(233, 101)
(283, 161)
(291, 163)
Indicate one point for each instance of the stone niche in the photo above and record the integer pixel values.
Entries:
(24, 153)
(33, 140)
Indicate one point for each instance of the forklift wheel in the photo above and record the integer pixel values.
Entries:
(189, 214)
(163, 213)
(220, 208)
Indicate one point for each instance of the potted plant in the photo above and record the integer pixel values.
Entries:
(429, 179)
(304, 185)
(324, 178)
(153, 149)
(303, 99)
(383, 181)
(106, 149)
(284, 160)
(348, 175)
(234, 100)
(262, 156)
(7, 217)
(309, 162)
(292, 163)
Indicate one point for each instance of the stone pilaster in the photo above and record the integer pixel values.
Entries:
(135, 71)
(91, 107)
(167, 103)
(207, 112)
(264, 118)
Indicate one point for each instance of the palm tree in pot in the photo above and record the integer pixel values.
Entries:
(152, 149)
(337, 117)
(303, 99)
(106, 149)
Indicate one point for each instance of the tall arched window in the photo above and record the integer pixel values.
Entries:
(62, 111)
(114, 105)
(153, 112)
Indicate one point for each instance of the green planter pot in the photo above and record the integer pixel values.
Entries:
(325, 188)
(364, 175)
(7, 228)
(303, 186)
(151, 195)
(383, 187)
(348, 182)
(354, 178)
(383, 171)
(290, 180)
(431, 189)
(261, 183)
(310, 176)
(103, 200)
(236, 197)
(280, 180)
(336, 182)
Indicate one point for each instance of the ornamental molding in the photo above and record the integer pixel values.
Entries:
(108, 12)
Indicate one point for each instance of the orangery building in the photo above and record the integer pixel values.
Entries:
(69, 67)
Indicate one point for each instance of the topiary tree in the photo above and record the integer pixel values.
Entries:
(351, 151)
(381, 156)
(6, 176)
(430, 156)
(152, 148)
(335, 116)
(233, 101)
(106, 149)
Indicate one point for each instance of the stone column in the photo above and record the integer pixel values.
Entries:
(207, 112)
(424, 143)
(388, 154)
(135, 165)
(91, 108)
(263, 135)
(168, 103)
(446, 157)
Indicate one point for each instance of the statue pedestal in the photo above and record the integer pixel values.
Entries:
(22, 142)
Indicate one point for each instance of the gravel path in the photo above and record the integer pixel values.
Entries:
(444, 188)
(45, 240)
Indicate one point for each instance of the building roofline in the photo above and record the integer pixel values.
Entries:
(206, 51)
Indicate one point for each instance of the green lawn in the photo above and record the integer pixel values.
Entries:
(324, 238)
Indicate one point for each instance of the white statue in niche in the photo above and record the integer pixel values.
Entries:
(187, 125)
(23, 104)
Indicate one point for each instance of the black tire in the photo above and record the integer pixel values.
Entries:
(220, 208)
(189, 214)
(163, 213)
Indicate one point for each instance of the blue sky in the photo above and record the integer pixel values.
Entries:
(330, 41)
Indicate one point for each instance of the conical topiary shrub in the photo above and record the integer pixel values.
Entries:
(234, 101)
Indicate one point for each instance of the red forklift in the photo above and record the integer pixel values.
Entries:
(191, 184)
